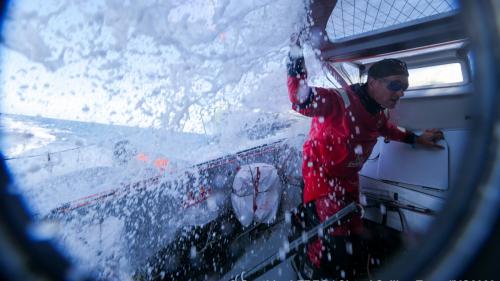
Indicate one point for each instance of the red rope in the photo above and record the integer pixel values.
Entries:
(256, 188)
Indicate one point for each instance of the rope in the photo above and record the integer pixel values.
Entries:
(64, 150)
(46, 154)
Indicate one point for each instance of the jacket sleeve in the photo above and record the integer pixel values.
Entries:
(310, 101)
(393, 132)
(306, 100)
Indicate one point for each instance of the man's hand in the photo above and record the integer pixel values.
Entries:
(429, 138)
(296, 45)
(295, 63)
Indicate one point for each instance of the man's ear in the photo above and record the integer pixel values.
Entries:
(371, 82)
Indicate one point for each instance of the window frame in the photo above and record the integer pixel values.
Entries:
(455, 54)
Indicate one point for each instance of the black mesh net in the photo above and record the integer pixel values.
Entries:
(354, 17)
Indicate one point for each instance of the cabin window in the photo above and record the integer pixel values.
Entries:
(436, 75)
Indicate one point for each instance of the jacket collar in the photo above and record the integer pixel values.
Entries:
(369, 104)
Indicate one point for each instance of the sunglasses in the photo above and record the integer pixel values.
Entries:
(396, 85)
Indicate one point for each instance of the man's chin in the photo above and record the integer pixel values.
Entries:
(391, 105)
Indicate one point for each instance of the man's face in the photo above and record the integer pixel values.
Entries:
(387, 91)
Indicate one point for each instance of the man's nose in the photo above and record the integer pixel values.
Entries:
(400, 93)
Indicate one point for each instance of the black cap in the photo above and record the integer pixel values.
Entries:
(388, 67)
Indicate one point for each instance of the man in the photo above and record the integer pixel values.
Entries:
(345, 126)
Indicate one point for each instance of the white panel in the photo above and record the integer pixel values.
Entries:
(399, 162)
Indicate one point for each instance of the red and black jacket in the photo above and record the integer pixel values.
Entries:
(344, 129)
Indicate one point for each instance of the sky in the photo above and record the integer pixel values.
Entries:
(174, 64)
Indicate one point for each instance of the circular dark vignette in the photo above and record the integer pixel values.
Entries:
(466, 235)
(464, 241)
(24, 256)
